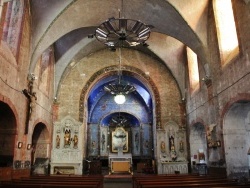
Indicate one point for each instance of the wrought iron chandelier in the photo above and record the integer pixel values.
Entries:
(119, 89)
(121, 32)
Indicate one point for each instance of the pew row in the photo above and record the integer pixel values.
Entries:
(55, 181)
(154, 181)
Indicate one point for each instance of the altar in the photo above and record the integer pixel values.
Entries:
(120, 163)
(174, 167)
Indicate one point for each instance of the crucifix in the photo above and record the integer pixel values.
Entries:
(31, 96)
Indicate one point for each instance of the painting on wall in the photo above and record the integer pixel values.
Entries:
(103, 141)
(119, 139)
(93, 145)
(136, 141)
(146, 140)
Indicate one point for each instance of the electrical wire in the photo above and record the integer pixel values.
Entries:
(218, 93)
(23, 93)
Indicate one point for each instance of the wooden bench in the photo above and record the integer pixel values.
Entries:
(56, 181)
(154, 181)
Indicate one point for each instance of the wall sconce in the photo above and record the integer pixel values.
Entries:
(28, 146)
(19, 145)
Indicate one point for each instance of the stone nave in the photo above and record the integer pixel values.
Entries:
(138, 85)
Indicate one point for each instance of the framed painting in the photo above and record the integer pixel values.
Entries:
(119, 139)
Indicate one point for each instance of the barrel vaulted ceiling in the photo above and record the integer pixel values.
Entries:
(66, 24)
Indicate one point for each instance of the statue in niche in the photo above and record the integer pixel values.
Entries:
(103, 140)
(67, 138)
(75, 140)
(171, 139)
(163, 147)
(57, 141)
(173, 154)
(136, 140)
(171, 143)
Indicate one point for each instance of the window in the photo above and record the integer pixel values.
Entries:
(193, 70)
(226, 30)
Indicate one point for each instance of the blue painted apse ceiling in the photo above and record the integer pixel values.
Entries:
(102, 108)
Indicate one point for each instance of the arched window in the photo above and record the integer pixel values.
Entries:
(226, 30)
(193, 70)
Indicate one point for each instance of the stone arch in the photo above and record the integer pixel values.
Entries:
(236, 133)
(8, 131)
(40, 148)
(111, 71)
(198, 142)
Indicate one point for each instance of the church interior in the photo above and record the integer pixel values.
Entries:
(124, 87)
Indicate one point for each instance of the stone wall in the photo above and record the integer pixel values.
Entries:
(230, 83)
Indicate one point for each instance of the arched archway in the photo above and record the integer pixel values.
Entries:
(40, 149)
(236, 131)
(7, 135)
(198, 144)
(104, 116)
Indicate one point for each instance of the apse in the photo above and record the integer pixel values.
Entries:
(101, 102)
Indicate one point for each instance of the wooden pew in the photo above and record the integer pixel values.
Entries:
(173, 178)
(154, 181)
(92, 181)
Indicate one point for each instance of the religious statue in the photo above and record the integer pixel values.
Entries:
(31, 96)
(75, 140)
(67, 138)
(57, 141)
(171, 141)
(163, 148)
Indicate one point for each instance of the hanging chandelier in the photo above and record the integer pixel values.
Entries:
(121, 88)
(118, 33)
(122, 32)
(119, 91)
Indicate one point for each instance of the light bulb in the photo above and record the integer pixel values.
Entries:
(120, 99)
